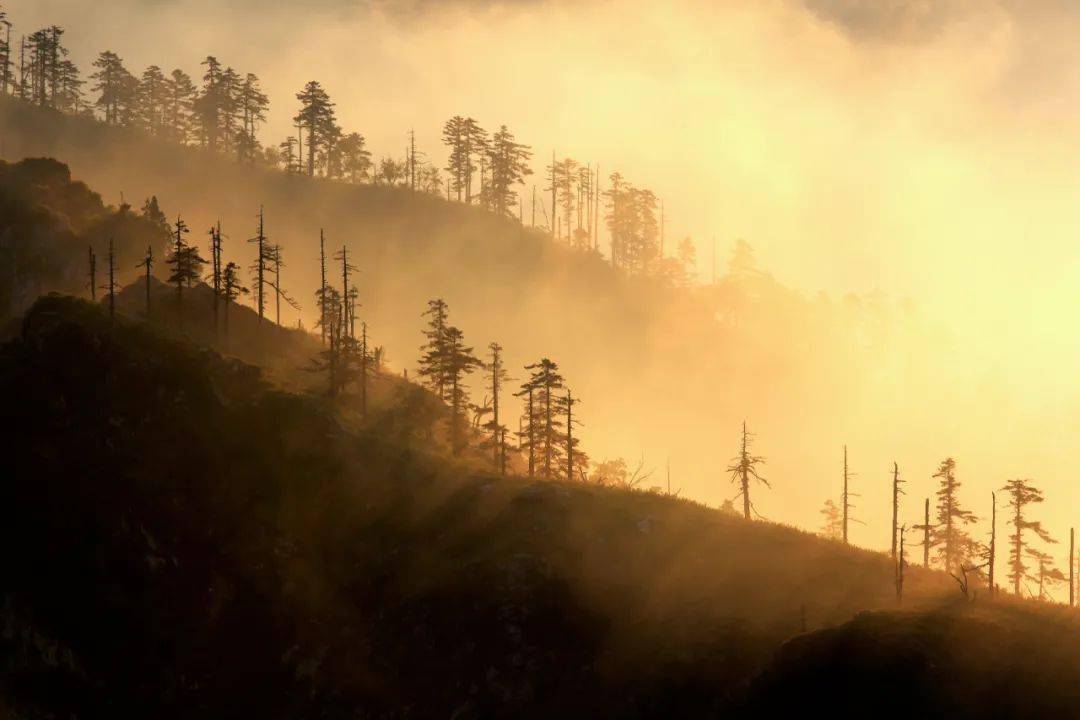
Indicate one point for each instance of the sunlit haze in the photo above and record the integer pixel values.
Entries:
(919, 155)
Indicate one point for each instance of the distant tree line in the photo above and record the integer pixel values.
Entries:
(225, 110)
(946, 538)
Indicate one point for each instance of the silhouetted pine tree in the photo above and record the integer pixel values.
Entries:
(178, 108)
(251, 104)
(508, 162)
(114, 87)
(258, 267)
(1047, 573)
(349, 293)
(44, 66)
(331, 359)
(546, 426)
(316, 117)
(527, 425)
(566, 172)
(231, 289)
(497, 375)
(355, 159)
(210, 107)
(954, 544)
(458, 362)
(186, 264)
(288, 155)
(475, 141)
(434, 350)
(1022, 494)
(367, 369)
(577, 461)
(151, 101)
(457, 164)
(151, 211)
(832, 525)
(632, 226)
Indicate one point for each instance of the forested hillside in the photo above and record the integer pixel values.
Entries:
(256, 465)
(184, 539)
(670, 372)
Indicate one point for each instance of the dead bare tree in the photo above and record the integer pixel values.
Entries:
(927, 527)
(147, 263)
(964, 581)
(744, 467)
(93, 275)
(896, 493)
(111, 285)
(847, 505)
(216, 268)
(1072, 568)
(901, 561)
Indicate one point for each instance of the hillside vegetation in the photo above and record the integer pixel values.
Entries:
(185, 540)
(660, 369)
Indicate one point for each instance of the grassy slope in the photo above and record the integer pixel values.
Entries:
(185, 540)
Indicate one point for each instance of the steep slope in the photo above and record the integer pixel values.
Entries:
(661, 371)
(246, 336)
(49, 223)
(183, 540)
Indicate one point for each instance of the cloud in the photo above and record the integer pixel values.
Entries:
(908, 21)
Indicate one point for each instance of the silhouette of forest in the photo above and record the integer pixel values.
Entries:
(295, 431)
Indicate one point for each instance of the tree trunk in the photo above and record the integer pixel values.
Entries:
(148, 289)
(322, 284)
(900, 570)
(532, 437)
(363, 370)
(569, 437)
(547, 432)
(845, 497)
(926, 534)
(112, 282)
(992, 560)
(455, 412)
(554, 223)
(895, 504)
(215, 257)
(1018, 545)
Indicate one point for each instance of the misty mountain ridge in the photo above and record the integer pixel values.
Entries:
(654, 341)
(375, 562)
(265, 559)
(327, 397)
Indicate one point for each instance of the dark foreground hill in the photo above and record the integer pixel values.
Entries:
(969, 661)
(180, 539)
